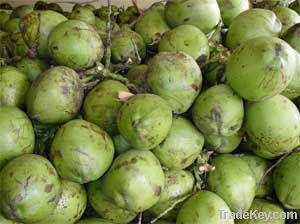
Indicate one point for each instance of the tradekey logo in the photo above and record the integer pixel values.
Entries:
(258, 215)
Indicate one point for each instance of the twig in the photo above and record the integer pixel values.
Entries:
(170, 208)
(136, 51)
(135, 4)
(140, 218)
(108, 41)
(276, 164)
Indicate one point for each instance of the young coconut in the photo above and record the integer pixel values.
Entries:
(205, 14)
(176, 77)
(218, 111)
(32, 67)
(21, 11)
(135, 180)
(36, 27)
(287, 182)
(14, 85)
(203, 207)
(250, 24)
(71, 204)
(13, 141)
(84, 14)
(89, 48)
(105, 207)
(37, 195)
(261, 68)
(144, 121)
(90, 148)
(274, 125)
(182, 145)
(232, 180)
(288, 17)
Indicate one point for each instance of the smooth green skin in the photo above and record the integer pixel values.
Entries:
(127, 45)
(4, 17)
(259, 167)
(292, 36)
(101, 106)
(37, 26)
(63, 38)
(30, 188)
(274, 125)
(182, 145)
(94, 221)
(71, 204)
(178, 183)
(203, 207)
(144, 121)
(292, 91)
(90, 148)
(263, 67)
(32, 67)
(204, 14)
(120, 144)
(84, 14)
(223, 144)
(232, 180)
(271, 4)
(14, 85)
(188, 39)
(137, 75)
(134, 181)
(21, 11)
(105, 207)
(231, 9)
(16, 134)
(152, 24)
(288, 17)
(218, 111)
(286, 181)
(55, 96)
(251, 24)
(176, 77)
(12, 25)
(267, 207)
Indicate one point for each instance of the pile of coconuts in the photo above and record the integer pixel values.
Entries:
(167, 115)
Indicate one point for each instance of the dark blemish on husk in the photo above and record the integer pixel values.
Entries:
(65, 90)
(195, 87)
(202, 59)
(53, 199)
(157, 190)
(278, 49)
(48, 188)
(126, 163)
(19, 198)
(186, 19)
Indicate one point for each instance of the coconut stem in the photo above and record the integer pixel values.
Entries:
(170, 208)
(140, 218)
(108, 41)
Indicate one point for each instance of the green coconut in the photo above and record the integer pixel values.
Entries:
(101, 28)
(182, 145)
(32, 67)
(259, 167)
(63, 38)
(135, 181)
(231, 9)
(178, 184)
(137, 75)
(274, 125)
(4, 17)
(188, 39)
(204, 14)
(287, 182)
(127, 46)
(263, 67)
(292, 36)
(268, 208)
(55, 96)
(90, 148)
(84, 14)
(120, 144)
(16, 134)
(203, 207)
(105, 207)
(218, 111)
(232, 180)
(152, 24)
(14, 85)
(30, 189)
(144, 121)
(21, 11)
(101, 106)
(288, 17)
(223, 144)
(250, 24)
(176, 77)
(71, 204)
(37, 26)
